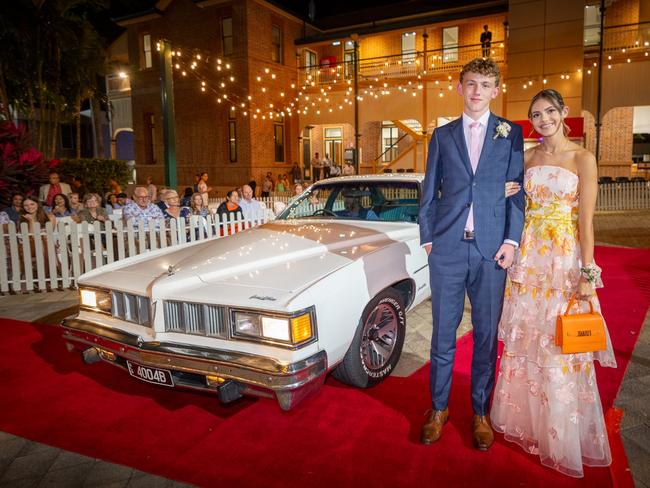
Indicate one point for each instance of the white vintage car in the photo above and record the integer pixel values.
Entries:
(271, 310)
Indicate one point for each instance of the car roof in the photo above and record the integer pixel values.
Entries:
(384, 177)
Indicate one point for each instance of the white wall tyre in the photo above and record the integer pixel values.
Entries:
(377, 343)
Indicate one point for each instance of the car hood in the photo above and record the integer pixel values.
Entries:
(273, 261)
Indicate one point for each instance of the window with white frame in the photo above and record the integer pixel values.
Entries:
(450, 44)
(389, 136)
(147, 60)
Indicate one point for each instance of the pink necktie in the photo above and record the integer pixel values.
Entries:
(474, 155)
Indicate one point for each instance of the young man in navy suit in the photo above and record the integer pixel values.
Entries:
(470, 231)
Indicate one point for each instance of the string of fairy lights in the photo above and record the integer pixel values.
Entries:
(215, 76)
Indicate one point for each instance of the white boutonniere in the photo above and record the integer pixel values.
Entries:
(502, 129)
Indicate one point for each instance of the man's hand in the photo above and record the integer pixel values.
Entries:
(505, 255)
(427, 248)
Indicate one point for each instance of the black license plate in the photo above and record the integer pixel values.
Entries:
(150, 375)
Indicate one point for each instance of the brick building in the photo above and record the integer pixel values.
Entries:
(293, 92)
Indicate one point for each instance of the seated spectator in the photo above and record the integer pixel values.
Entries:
(230, 208)
(111, 203)
(33, 212)
(173, 209)
(162, 203)
(348, 169)
(195, 186)
(13, 210)
(115, 186)
(61, 207)
(75, 203)
(4, 218)
(92, 211)
(141, 208)
(78, 187)
(253, 185)
(186, 201)
(251, 208)
(47, 192)
(123, 200)
(197, 207)
(151, 189)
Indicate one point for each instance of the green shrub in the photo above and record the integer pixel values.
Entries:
(95, 173)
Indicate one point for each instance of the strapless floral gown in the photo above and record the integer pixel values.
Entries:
(546, 401)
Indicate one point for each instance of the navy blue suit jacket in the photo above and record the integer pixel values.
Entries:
(450, 186)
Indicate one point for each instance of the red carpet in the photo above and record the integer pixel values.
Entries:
(341, 437)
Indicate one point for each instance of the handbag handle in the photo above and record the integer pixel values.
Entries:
(574, 298)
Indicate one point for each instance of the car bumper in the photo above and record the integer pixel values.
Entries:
(230, 374)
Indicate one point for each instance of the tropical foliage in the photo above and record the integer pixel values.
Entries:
(22, 167)
(95, 173)
(52, 59)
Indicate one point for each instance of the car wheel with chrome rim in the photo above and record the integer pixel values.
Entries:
(377, 343)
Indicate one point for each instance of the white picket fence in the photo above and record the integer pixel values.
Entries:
(623, 196)
(54, 257)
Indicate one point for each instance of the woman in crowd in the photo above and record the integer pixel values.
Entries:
(92, 211)
(267, 185)
(34, 212)
(174, 209)
(111, 203)
(546, 401)
(204, 189)
(13, 210)
(197, 207)
(230, 208)
(279, 186)
(61, 207)
(186, 201)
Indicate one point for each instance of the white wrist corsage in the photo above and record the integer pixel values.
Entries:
(591, 272)
(502, 129)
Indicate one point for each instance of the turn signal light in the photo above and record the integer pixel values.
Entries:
(301, 328)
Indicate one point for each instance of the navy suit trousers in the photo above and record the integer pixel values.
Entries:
(464, 270)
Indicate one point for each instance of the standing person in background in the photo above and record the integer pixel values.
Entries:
(348, 169)
(195, 186)
(316, 167)
(151, 189)
(13, 210)
(296, 174)
(327, 164)
(47, 192)
(486, 41)
(203, 188)
(267, 186)
(279, 187)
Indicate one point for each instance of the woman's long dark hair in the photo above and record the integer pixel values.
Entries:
(41, 216)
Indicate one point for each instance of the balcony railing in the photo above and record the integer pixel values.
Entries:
(396, 66)
(631, 37)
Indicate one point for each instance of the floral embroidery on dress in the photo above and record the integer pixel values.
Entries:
(546, 401)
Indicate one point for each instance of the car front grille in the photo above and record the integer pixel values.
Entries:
(132, 308)
(194, 318)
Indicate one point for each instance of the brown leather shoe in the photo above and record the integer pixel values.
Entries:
(482, 435)
(432, 428)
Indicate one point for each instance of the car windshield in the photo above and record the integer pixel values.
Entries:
(390, 201)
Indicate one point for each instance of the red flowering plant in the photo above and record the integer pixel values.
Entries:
(22, 167)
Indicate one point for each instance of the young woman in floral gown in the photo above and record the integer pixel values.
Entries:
(546, 401)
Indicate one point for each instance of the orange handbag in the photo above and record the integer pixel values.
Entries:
(580, 332)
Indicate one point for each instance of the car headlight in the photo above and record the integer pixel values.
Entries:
(94, 299)
(291, 330)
